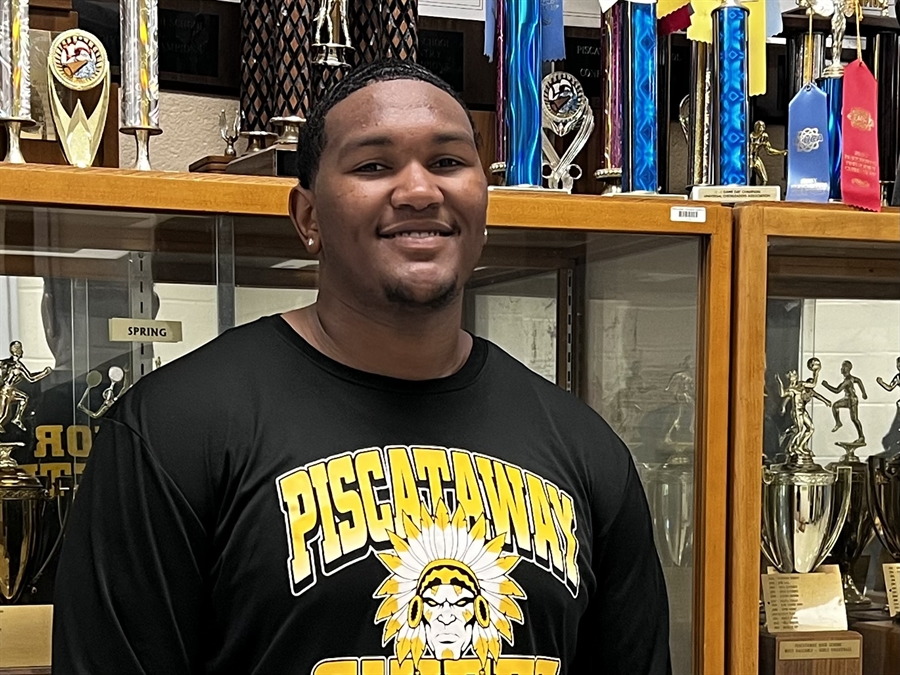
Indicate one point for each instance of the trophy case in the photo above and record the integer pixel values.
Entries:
(623, 301)
(815, 414)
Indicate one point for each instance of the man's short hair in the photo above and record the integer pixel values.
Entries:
(312, 135)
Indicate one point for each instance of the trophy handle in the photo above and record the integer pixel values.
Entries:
(684, 117)
(845, 474)
(765, 540)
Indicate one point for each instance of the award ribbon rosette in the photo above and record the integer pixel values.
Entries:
(808, 176)
(859, 165)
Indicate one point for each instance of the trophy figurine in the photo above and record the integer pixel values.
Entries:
(117, 376)
(803, 510)
(891, 441)
(14, 401)
(230, 133)
(759, 143)
(893, 384)
(564, 109)
(884, 500)
(858, 529)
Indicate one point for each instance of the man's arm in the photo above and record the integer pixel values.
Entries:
(625, 630)
(129, 590)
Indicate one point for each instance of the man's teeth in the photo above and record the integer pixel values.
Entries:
(418, 235)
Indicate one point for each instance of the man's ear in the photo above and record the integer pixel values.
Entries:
(303, 215)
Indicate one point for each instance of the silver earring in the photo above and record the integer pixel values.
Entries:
(311, 241)
(485, 233)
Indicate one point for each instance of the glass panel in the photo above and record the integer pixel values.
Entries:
(640, 356)
(851, 338)
(519, 315)
(63, 275)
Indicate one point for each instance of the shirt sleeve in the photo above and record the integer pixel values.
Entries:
(625, 630)
(129, 589)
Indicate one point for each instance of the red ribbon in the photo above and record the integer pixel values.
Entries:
(860, 186)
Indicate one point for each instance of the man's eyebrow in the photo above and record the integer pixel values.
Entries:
(382, 141)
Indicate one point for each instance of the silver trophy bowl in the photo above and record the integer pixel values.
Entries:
(804, 508)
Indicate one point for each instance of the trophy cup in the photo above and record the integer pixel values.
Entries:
(15, 75)
(77, 62)
(22, 498)
(140, 75)
(803, 509)
(332, 33)
(858, 529)
(670, 486)
(230, 133)
(565, 109)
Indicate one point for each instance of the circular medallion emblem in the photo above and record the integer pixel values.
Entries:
(78, 60)
(563, 101)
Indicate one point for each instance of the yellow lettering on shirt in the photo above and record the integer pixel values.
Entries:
(379, 517)
(49, 439)
(79, 440)
(433, 467)
(468, 495)
(564, 513)
(331, 543)
(403, 487)
(505, 490)
(347, 502)
(298, 502)
(547, 546)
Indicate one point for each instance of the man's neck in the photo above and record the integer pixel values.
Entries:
(409, 346)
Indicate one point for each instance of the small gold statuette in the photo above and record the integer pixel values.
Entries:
(117, 376)
(564, 108)
(14, 401)
(850, 401)
(77, 63)
(230, 133)
(759, 143)
(893, 384)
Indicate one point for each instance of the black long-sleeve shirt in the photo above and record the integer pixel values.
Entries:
(256, 507)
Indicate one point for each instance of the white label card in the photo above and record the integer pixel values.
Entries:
(144, 330)
(805, 602)
(892, 585)
(688, 214)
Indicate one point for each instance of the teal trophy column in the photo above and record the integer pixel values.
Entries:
(523, 106)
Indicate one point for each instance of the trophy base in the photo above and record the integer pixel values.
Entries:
(26, 633)
(278, 160)
(730, 194)
(813, 653)
(881, 647)
(211, 164)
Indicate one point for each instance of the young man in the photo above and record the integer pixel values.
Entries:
(376, 491)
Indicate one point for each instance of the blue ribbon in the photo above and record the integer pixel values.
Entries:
(834, 92)
(553, 42)
(640, 133)
(733, 103)
(809, 172)
(523, 111)
(490, 27)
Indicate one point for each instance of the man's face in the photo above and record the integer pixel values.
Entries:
(400, 198)
(448, 616)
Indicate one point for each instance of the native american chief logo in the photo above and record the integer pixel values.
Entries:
(449, 591)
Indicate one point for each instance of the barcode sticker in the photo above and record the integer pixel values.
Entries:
(682, 214)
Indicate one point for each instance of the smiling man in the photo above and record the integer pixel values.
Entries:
(376, 491)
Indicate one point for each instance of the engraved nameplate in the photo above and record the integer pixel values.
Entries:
(736, 193)
(812, 650)
(892, 586)
(804, 602)
(144, 330)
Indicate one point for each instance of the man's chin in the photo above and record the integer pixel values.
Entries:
(430, 297)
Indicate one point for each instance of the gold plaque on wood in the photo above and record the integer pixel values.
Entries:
(77, 62)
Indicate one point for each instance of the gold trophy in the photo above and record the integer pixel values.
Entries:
(77, 63)
(15, 75)
(332, 32)
(759, 143)
(22, 496)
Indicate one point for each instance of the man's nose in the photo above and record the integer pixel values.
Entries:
(416, 188)
(446, 617)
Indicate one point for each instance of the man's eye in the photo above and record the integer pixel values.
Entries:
(462, 603)
(447, 162)
(371, 167)
(430, 602)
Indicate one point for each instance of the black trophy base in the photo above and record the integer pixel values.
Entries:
(279, 160)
